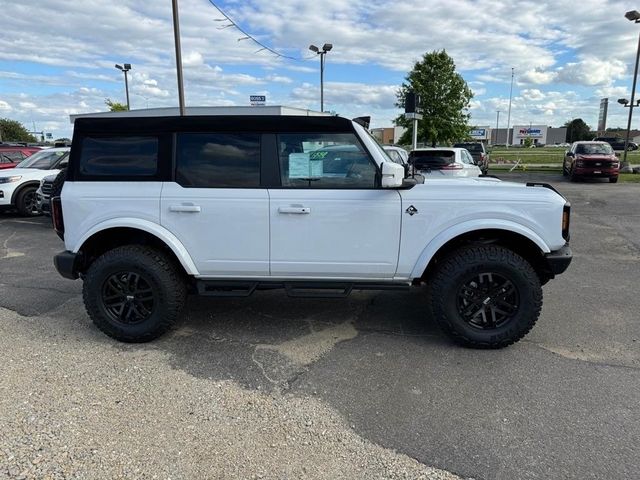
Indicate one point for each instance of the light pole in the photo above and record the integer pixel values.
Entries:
(509, 114)
(633, 16)
(325, 48)
(497, 124)
(124, 69)
(176, 38)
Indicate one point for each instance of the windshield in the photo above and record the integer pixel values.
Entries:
(384, 153)
(594, 149)
(472, 147)
(43, 160)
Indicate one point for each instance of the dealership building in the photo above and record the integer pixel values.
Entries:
(539, 134)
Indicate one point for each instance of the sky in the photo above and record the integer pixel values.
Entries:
(57, 57)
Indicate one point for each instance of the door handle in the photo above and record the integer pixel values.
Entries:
(298, 210)
(185, 208)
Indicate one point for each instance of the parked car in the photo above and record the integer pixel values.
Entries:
(616, 143)
(18, 185)
(479, 154)
(12, 155)
(155, 207)
(591, 159)
(442, 162)
(397, 154)
(43, 194)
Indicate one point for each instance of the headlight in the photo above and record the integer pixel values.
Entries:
(13, 179)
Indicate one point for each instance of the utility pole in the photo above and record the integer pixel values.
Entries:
(509, 114)
(176, 35)
(497, 124)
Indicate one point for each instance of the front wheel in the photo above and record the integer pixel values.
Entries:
(26, 202)
(134, 293)
(613, 179)
(486, 296)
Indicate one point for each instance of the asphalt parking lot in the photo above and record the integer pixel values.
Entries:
(364, 387)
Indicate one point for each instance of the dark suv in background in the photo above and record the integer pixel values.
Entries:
(479, 154)
(616, 143)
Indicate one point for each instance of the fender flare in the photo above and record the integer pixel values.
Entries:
(473, 225)
(151, 228)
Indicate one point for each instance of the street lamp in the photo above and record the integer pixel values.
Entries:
(325, 48)
(125, 69)
(633, 16)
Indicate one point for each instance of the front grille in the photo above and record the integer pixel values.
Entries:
(47, 187)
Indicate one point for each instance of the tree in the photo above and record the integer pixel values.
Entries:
(444, 98)
(577, 130)
(115, 106)
(13, 131)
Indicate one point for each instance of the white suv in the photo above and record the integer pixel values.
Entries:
(155, 208)
(18, 185)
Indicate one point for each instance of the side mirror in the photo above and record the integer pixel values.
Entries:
(569, 154)
(392, 175)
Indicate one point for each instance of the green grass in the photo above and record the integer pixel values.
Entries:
(629, 178)
(540, 155)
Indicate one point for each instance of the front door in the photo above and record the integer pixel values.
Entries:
(330, 219)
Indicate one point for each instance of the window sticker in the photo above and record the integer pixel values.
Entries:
(305, 165)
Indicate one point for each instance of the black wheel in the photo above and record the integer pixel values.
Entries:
(26, 202)
(613, 179)
(486, 296)
(564, 169)
(134, 293)
(572, 175)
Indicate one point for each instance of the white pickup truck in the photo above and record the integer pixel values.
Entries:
(155, 208)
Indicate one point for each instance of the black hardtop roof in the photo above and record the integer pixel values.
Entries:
(208, 123)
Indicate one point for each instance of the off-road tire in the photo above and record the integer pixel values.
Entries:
(22, 201)
(613, 179)
(158, 271)
(455, 271)
(572, 176)
(565, 173)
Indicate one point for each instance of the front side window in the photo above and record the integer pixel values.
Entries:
(119, 156)
(325, 160)
(218, 160)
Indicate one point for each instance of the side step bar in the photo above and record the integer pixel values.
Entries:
(304, 289)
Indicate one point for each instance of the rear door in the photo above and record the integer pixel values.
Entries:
(329, 217)
(216, 206)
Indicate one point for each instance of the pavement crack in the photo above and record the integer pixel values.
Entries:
(566, 353)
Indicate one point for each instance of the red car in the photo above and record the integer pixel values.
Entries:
(591, 159)
(12, 155)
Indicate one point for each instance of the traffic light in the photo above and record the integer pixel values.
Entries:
(411, 102)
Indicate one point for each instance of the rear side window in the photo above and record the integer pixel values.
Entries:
(119, 156)
(218, 160)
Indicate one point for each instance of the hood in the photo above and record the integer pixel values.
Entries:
(478, 189)
(26, 171)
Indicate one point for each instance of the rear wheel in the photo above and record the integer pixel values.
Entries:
(26, 202)
(486, 296)
(134, 293)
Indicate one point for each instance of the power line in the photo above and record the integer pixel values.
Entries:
(248, 36)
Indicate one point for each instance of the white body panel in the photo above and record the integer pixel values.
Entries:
(448, 208)
(226, 230)
(466, 167)
(343, 233)
(27, 174)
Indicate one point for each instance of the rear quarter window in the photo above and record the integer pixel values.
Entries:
(119, 156)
